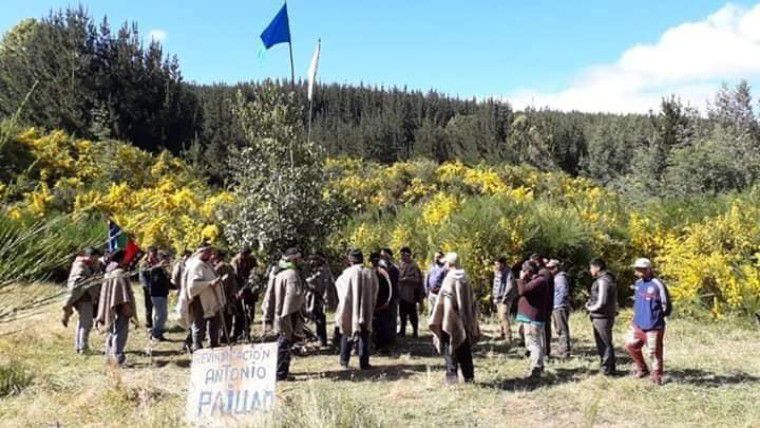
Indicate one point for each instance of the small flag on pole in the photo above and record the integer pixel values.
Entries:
(312, 74)
(278, 30)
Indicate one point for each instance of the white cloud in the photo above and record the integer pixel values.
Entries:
(157, 34)
(689, 60)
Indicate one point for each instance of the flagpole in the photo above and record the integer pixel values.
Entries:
(293, 87)
(308, 133)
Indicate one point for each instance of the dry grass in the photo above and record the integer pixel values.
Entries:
(712, 374)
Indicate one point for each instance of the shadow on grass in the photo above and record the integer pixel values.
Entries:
(588, 351)
(550, 378)
(708, 379)
(421, 346)
(376, 373)
(181, 363)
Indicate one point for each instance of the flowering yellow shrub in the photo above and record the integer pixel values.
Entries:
(153, 198)
(716, 260)
(439, 209)
(712, 262)
(482, 212)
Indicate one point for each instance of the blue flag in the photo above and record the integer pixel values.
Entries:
(278, 30)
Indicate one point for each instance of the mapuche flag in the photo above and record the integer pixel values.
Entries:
(278, 30)
(118, 240)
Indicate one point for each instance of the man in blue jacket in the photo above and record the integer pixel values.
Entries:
(651, 306)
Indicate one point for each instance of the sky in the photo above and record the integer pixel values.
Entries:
(592, 55)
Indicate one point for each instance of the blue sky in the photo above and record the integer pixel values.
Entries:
(542, 51)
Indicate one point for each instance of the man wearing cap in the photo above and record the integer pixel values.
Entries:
(410, 283)
(503, 294)
(245, 265)
(205, 297)
(651, 306)
(357, 295)
(602, 309)
(533, 312)
(454, 322)
(317, 285)
(283, 301)
(83, 293)
(561, 307)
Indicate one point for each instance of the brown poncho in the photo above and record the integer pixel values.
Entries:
(81, 281)
(115, 293)
(455, 311)
(283, 301)
(357, 296)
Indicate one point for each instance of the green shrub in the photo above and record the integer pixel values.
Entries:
(13, 378)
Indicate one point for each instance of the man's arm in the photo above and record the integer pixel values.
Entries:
(530, 286)
(662, 292)
(601, 300)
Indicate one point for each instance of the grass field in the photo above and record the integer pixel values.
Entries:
(712, 379)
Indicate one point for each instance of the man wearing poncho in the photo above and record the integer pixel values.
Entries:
(115, 308)
(283, 302)
(201, 298)
(83, 293)
(454, 322)
(357, 294)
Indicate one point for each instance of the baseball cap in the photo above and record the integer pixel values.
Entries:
(642, 263)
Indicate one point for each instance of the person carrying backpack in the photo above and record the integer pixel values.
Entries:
(651, 306)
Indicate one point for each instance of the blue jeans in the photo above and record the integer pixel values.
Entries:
(159, 315)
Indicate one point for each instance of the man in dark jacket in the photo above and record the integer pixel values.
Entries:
(383, 330)
(393, 272)
(533, 309)
(244, 303)
(410, 284)
(159, 291)
(602, 308)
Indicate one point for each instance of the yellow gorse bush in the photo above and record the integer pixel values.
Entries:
(156, 199)
(716, 259)
(713, 263)
(709, 262)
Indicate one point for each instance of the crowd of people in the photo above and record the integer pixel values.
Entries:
(373, 300)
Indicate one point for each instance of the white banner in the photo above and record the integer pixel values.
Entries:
(232, 384)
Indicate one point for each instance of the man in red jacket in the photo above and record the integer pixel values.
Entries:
(533, 309)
